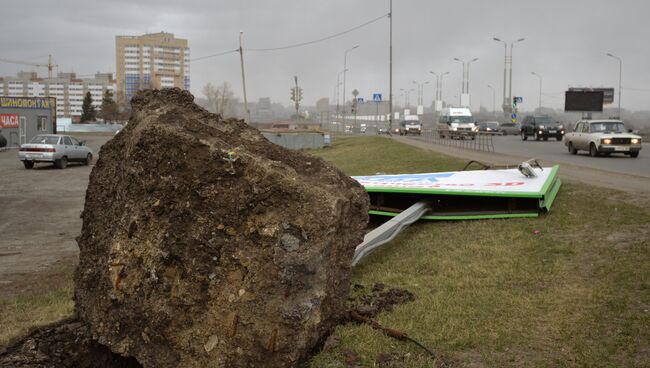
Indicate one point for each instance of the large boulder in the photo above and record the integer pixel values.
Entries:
(205, 245)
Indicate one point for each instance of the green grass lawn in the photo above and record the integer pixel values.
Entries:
(492, 293)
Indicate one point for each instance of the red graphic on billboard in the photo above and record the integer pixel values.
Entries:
(9, 121)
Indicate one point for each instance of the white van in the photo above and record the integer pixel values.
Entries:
(456, 122)
(410, 125)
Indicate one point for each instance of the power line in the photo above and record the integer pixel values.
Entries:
(322, 39)
(297, 44)
(637, 89)
(215, 55)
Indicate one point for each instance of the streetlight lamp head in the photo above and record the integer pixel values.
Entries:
(521, 39)
(432, 73)
(457, 59)
(497, 39)
(446, 73)
(474, 59)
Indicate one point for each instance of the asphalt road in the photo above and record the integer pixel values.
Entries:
(39, 211)
(555, 151)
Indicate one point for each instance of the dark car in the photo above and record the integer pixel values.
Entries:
(489, 127)
(510, 128)
(541, 127)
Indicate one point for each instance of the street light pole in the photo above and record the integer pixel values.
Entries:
(437, 84)
(390, 72)
(540, 88)
(505, 70)
(620, 74)
(420, 91)
(463, 79)
(345, 68)
(338, 92)
(493, 98)
(469, 62)
(511, 45)
(441, 79)
(507, 98)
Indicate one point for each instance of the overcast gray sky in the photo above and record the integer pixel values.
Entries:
(566, 42)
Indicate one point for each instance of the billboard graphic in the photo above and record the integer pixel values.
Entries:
(9, 121)
(479, 181)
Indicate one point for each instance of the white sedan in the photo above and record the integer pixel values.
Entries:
(54, 148)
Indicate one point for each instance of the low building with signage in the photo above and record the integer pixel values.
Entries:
(22, 118)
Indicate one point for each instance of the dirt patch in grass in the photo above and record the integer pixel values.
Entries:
(63, 344)
(369, 302)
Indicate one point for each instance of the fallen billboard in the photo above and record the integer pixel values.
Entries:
(464, 195)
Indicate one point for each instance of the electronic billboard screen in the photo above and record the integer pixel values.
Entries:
(584, 101)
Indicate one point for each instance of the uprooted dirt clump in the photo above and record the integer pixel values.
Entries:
(63, 344)
(205, 245)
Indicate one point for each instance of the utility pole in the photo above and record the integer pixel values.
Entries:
(243, 78)
(390, 77)
(620, 74)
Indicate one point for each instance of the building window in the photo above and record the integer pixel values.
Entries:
(41, 123)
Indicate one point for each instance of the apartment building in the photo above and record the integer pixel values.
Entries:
(155, 60)
(66, 88)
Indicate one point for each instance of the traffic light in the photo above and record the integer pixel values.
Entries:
(299, 94)
(293, 94)
(514, 102)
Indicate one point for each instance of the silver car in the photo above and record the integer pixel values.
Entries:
(55, 148)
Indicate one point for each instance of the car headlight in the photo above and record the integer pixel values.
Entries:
(474, 129)
(635, 141)
(606, 141)
(540, 132)
(562, 132)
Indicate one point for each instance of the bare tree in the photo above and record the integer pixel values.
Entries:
(220, 98)
(210, 92)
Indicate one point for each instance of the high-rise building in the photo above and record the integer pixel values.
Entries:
(68, 90)
(155, 60)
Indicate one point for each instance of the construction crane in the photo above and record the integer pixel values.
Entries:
(49, 64)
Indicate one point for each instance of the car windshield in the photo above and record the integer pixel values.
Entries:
(460, 119)
(608, 127)
(45, 139)
(410, 122)
(508, 124)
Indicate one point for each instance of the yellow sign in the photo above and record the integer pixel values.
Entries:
(25, 102)
(514, 120)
